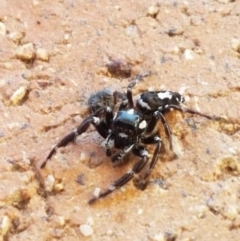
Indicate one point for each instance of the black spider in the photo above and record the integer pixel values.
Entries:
(130, 128)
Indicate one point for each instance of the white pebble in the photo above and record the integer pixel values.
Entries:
(83, 157)
(25, 52)
(5, 225)
(2, 29)
(35, 3)
(225, 1)
(231, 212)
(159, 237)
(140, 211)
(235, 44)
(58, 187)
(117, 7)
(86, 230)
(153, 10)
(96, 192)
(49, 183)
(90, 221)
(109, 232)
(18, 95)
(188, 54)
(16, 36)
(61, 221)
(42, 54)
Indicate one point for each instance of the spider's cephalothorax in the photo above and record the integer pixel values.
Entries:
(130, 129)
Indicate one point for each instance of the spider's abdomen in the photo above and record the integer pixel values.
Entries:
(153, 100)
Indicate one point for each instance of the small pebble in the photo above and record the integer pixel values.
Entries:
(175, 31)
(25, 52)
(235, 44)
(8, 65)
(225, 1)
(188, 54)
(159, 237)
(18, 95)
(117, 7)
(96, 192)
(109, 232)
(153, 10)
(58, 187)
(140, 211)
(86, 230)
(83, 157)
(42, 54)
(35, 3)
(5, 225)
(2, 29)
(16, 37)
(61, 221)
(231, 212)
(49, 183)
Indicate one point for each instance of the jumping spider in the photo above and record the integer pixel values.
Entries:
(130, 129)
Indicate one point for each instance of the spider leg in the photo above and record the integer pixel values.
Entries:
(100, 126)
(155, 117)
(191, 111)
(135, 81)
(126, 177)
(141, 184)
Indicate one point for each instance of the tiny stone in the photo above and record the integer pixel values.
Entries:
(18, 95)
(82, 157)
(5, 225)
(109, 232)
(117, 7)
(231, 212)
(8, 65)
(188, 54)
(58, 187)
(96, 192)
(86, 230)
(225, 1)
(90, 221)
(49, 183)
(153, 10)
(175, 31)
(235, 44)
(159, 237)
(25, 52)
(16, 36)
(35, 3)
(61, 221)
(140, 211)
(2, 29)
(42, 54)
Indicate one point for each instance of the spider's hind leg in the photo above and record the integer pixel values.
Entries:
(100, 126)
(138, 167)
(141, 183)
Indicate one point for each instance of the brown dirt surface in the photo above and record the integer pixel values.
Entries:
(54, 55)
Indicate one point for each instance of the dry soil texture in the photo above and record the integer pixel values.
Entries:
(54, 55)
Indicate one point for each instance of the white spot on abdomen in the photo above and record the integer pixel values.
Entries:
(143, 104)
(163, 95)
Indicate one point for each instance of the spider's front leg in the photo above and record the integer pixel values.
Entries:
(135, 81)
(138, 167)
(100, 126)
(192, 111)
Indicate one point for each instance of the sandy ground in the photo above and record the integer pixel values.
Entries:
(54, 55)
